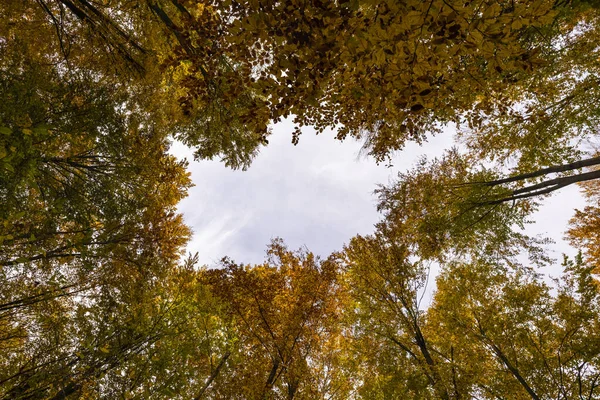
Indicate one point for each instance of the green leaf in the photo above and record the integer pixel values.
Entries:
(8, 167)
(40, 130)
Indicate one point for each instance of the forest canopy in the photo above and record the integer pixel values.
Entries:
(98, 299)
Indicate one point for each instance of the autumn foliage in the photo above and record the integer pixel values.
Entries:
(97, 299)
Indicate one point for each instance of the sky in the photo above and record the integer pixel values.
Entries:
(317, 195)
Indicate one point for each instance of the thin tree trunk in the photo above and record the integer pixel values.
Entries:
(543, 187)
(514, 371)
(213, 376)
(545, 171)
(546, 187)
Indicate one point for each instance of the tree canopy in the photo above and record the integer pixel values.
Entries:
(97, 298)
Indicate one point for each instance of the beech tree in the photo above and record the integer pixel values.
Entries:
(81, 183)
(87, 226)
(286, 315)
(96, 300)
(510, 336)
(389, 318)
(223, 71)
(495, 328)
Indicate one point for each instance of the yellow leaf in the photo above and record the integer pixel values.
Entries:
(517, 24)
(476, 37)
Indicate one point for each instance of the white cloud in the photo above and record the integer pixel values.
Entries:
(317, 194)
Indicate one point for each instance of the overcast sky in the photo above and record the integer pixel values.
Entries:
(317, 194)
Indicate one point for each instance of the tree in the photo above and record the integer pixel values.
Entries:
(512, 337)
(134, 340)
(76, 190)
(438, 213)
(87, 224)
(286, 315)
(584, 225)
(495, 329)
(431, 217)
(382, 70)
(218, 73)
(388, 321)
(96, 301)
